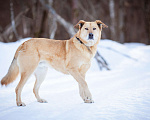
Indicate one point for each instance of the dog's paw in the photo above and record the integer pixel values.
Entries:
(21, 104)
(88, 101)
(42, 101)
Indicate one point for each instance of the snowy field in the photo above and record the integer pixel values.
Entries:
(120, 94)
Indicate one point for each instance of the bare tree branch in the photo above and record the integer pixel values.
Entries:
(86, 13)
(101, 61)
(9, 29)
(69, 27)
(53, 27)
(109, 48)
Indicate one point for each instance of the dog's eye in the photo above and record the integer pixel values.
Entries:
(86, 28)
(94, 28)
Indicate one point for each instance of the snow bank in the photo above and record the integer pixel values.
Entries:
(120, 94)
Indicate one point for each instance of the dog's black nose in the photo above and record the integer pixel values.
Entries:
(90, 35)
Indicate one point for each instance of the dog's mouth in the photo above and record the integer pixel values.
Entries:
(90, 42)
(90, 39)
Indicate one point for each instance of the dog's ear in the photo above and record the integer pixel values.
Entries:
(79, 24)
(101, 24)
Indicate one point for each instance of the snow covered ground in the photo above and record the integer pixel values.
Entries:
(120, 94)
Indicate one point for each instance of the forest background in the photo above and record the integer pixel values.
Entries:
(128, 20)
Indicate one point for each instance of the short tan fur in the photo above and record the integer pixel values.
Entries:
(71, 56)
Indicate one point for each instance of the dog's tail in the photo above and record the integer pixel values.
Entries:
(12, 73)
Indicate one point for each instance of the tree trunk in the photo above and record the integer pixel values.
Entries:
(13, 20)
(147, 19)
(75, 12)
(52, 22)
(121, 21)
(113, 20)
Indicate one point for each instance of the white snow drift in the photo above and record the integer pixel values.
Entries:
(120, 94)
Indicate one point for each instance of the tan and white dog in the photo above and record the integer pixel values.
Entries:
(71, 56)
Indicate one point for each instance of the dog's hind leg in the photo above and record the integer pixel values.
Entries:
(27, 65)
(40, 74)
(24, 78)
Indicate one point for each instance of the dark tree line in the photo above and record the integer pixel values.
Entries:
(128, 20)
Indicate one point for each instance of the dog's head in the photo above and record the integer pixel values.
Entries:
(90, 32)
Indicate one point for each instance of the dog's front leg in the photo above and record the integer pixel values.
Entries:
(83, 87)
